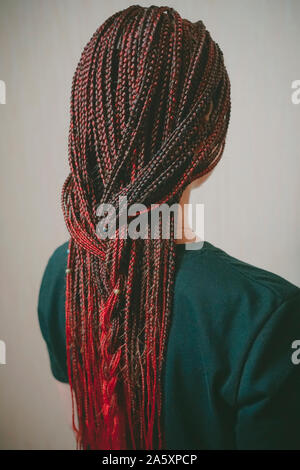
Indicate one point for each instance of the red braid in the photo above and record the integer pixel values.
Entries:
(140, 92)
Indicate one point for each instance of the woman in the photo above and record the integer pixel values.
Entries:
(164, 347)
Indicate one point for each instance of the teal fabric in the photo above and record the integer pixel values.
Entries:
(228, 379)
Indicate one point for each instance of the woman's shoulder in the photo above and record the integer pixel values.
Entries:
(52, 286)
(233, 297)
(54, 271)
(215, 270)
(57, 260)
(245, 318)
(51, 310)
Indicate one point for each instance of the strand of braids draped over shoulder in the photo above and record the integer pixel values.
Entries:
(140, 92)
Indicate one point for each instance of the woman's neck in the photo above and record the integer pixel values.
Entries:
(184, 233)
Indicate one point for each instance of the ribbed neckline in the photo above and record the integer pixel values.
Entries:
(192, 247)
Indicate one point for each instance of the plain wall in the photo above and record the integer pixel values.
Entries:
(251, 200)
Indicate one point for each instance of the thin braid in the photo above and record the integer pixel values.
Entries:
(140, 92)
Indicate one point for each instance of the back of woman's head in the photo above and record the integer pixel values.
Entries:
(140, 94)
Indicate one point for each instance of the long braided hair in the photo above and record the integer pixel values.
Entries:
(140, 92)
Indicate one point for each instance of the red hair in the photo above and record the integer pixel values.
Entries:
(140, 92)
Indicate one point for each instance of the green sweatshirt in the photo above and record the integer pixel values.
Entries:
(231, 378)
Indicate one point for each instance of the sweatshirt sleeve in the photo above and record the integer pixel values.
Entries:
(268, 398)
(51, 312)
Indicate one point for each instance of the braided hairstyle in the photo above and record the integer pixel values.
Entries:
(141, 90)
